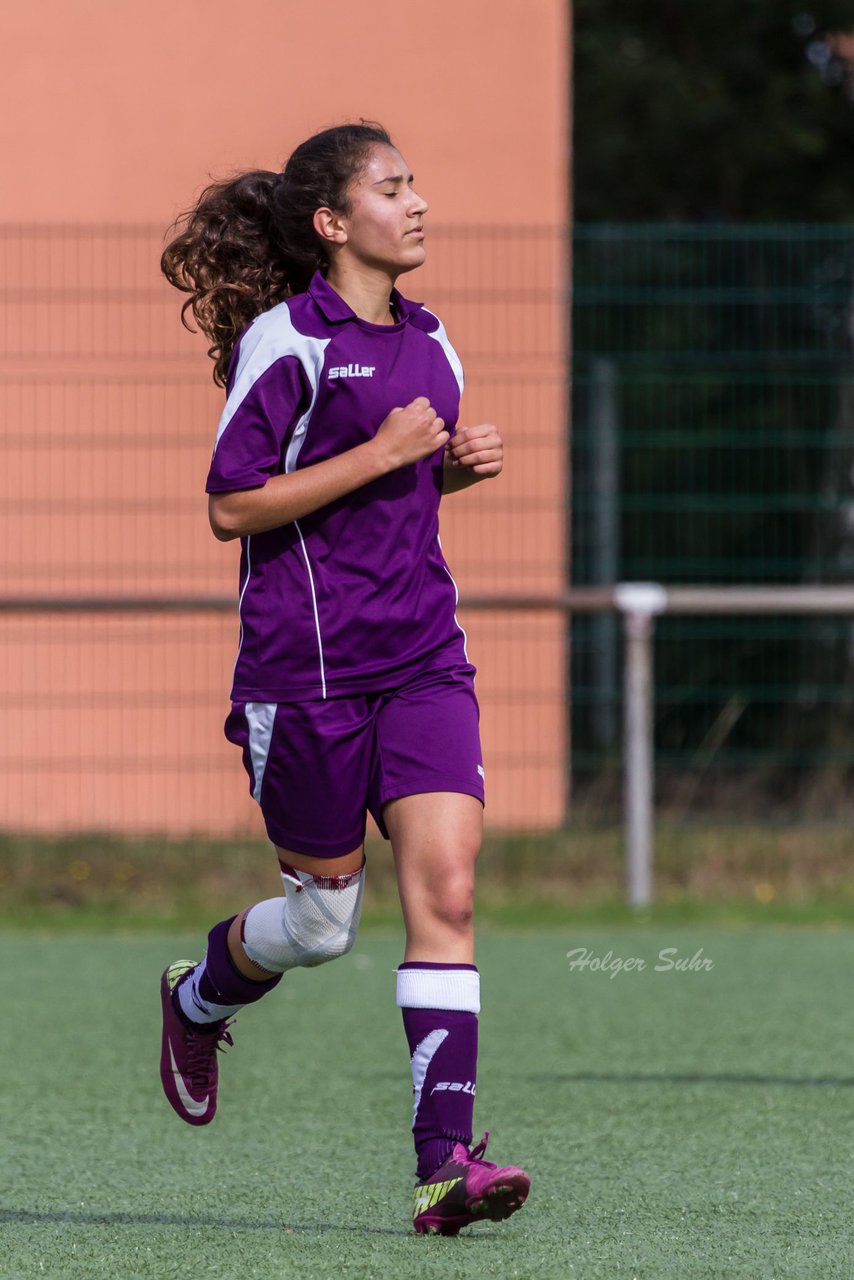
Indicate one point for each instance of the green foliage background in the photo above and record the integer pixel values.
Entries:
(712, 283)
(736, 109)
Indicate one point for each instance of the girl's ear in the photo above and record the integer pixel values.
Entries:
(329, 226)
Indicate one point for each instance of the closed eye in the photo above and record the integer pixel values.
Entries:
(397, 180)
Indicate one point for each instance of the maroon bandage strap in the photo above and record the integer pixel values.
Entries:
(323, 882)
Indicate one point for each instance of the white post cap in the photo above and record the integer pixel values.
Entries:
(640, 597)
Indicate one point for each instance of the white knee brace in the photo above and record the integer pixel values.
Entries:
(316, 921)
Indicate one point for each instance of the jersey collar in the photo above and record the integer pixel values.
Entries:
(335, 310)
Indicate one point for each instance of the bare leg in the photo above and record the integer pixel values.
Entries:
(436, 838)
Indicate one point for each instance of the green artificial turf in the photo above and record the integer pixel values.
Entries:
(682, 1123)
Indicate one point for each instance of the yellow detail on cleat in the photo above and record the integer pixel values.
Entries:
(431, 1193)
(177, 970)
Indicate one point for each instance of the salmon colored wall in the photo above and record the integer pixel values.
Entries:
(115, 112)
(110, 116)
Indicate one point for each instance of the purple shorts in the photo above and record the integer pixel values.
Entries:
(316, 768)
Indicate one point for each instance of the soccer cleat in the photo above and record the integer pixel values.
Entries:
(467, 1189)
(188, 1065)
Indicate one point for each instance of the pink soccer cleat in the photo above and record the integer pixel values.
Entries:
(188, 1063)
(467, 1189)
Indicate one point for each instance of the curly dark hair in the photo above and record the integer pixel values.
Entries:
(250, 242)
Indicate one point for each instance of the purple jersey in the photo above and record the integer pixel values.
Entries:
(356, 595)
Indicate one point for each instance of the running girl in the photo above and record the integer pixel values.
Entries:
(352, 686)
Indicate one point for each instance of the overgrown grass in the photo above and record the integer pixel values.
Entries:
(702, 872)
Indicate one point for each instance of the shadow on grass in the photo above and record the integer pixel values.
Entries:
(656, 1077)
(663, 1077)
(68, 1217)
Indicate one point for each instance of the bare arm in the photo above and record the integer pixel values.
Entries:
(474, 453)
(405, 436)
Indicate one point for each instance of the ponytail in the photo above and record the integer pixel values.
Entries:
(250, 242)
(225, 257)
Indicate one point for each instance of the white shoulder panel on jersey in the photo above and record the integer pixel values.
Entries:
(445, 343)
(270, 337)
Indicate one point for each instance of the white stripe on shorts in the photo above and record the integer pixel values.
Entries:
(260, 716)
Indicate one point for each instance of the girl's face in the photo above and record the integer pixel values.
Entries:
(384, 226)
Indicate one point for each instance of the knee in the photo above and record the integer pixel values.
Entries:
(314, 923)
(320, 945)
(450, 900)
(323, 914)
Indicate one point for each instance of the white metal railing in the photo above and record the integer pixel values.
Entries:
(639, 603)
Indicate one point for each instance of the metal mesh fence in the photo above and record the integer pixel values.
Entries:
(713, 442)
(114, 720)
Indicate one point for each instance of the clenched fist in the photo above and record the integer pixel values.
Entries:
(410, 434)
(480, 449)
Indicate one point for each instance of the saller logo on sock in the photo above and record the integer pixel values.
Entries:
(454, 1086)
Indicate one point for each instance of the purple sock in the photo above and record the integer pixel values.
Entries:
(216, 989)
(443, 1053)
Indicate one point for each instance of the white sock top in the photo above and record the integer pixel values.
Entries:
(439, 989)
